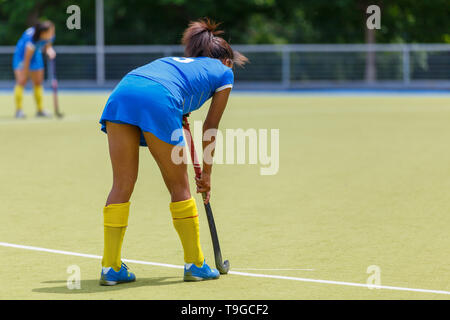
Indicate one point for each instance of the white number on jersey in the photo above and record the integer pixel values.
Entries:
(183, 60)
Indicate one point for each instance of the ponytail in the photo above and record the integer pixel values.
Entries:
(202, 39)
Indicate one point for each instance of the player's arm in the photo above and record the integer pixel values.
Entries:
(218, 105)
(48, 49)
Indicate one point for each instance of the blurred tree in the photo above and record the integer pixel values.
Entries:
(246, 21)
(18, 15)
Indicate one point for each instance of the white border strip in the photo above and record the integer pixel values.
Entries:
(226, 86)
(245, 274)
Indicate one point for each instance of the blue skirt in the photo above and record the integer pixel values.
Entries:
(36, 62)
(147, 104)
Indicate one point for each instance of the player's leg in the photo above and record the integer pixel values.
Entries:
(37, 77)
(183, 209)
(175, 175)
(21, 80)
(123, 142)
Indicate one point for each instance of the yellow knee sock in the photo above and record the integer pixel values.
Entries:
(185, 221)
(18, 96)
(39, 97)
(115, 217)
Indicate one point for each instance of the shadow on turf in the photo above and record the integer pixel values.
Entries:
(92, 286)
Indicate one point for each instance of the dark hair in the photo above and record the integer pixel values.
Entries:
(41, 27)
(203, 40)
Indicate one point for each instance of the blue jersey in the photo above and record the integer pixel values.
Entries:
(26, 40)
(191, 81)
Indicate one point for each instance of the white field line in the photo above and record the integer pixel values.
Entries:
(272, 269)
(84, 255)
(70, 118)
(245, 274)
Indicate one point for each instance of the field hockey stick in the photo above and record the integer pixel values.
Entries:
(222, 266)
(52, 70)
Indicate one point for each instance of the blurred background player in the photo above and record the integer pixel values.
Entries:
(146, 108)
(29, 62)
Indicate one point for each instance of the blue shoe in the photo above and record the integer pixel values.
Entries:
(194, 273)
(20, 114)
(109, 277)
(43, 114)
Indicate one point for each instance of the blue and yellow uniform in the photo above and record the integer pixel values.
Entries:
(155, 97)
(26, 40)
